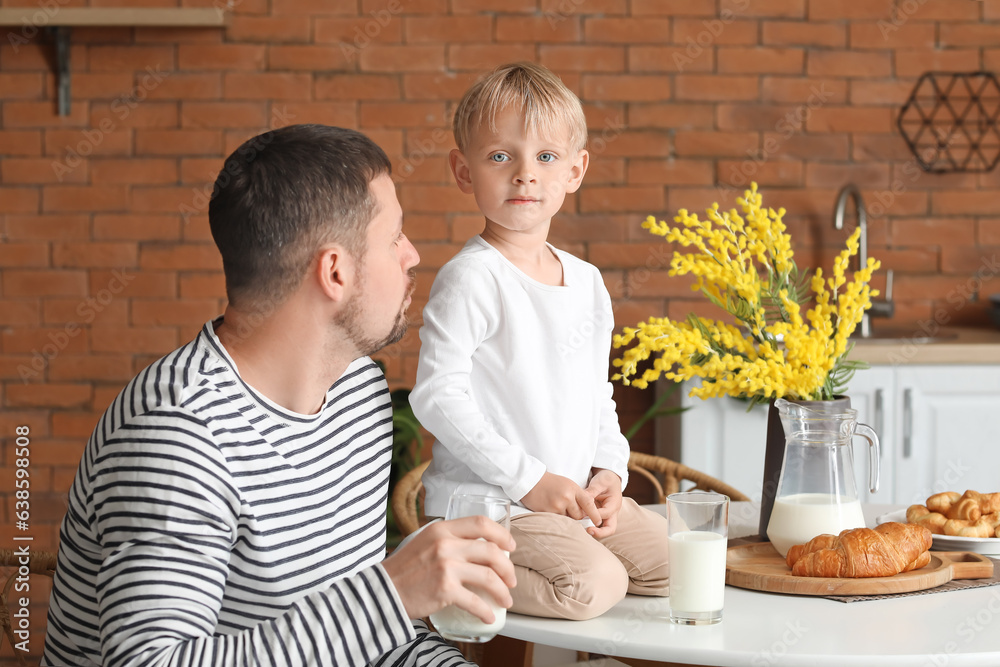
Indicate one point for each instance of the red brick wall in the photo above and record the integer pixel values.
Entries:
(106, 258)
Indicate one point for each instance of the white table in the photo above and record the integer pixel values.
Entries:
(954, 629)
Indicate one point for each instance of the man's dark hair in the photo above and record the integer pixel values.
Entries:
(280, 196)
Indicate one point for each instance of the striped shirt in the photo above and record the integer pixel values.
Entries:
(209, 526)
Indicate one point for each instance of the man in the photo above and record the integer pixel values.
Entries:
(229, 508)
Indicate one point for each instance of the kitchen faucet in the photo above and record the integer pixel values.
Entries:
(883, 308)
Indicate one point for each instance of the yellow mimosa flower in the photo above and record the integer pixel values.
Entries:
(743, 263)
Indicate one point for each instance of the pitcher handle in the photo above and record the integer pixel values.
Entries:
(869, 434)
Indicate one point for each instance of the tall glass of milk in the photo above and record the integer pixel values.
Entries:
(697, 534)
(455, 623)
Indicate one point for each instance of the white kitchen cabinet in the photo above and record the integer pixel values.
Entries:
(939, 428)
(872, 393)
(719, 437)
(947, 430)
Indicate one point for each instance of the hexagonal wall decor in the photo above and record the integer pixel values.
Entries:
(950, 121)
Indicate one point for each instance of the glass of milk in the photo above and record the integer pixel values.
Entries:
(697, 534)
(452, 622)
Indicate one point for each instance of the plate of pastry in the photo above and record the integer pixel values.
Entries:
(959, 522)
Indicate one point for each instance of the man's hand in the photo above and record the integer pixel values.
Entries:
(444, 560)
(606, 489)
(561, 495)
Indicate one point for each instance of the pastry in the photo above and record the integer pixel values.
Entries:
(988, 502)
(932, 521)
(966, 509)
(884, 551)
(971, 514)
(941, 502)
(993, 519)
(824, 541)
(960, 528)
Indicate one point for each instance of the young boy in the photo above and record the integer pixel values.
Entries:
(513, 373)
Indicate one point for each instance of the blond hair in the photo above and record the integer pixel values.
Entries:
(547, 104)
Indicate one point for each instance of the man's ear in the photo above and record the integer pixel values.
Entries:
(578, 172)
(335, 272)
(460, 168)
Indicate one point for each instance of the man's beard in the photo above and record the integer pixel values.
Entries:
(349, 321)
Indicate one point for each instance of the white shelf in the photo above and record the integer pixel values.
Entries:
(62, 21)
(167, 17)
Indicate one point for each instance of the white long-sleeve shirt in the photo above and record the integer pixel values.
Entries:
(513, 377)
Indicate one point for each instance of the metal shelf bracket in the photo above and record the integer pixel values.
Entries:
(59, 24)
(62, 34)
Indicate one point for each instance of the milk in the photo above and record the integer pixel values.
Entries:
(459, 625)
(697, 571)
(798, 518)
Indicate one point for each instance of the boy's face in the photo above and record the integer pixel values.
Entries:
(520, 181)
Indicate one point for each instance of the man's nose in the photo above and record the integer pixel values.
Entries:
(412, 257)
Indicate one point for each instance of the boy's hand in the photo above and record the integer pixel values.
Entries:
(440, 564)
(561, 495)
(606, 489)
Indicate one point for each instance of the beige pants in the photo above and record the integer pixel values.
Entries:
(563, 572)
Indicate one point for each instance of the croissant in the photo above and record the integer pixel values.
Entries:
(884, 551)
(988, 502)
(987, 526)
(959, 528)
(824, 541)
(942, 502)
(932, 521)
(966, 509)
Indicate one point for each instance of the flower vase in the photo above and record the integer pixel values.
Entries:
(774, 452)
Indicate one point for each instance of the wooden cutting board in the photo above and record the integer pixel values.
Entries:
(760, 567)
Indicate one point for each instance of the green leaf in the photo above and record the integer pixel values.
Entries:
(655, 411)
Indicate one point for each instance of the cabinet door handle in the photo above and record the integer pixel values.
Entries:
(878, 415)
(907, 423)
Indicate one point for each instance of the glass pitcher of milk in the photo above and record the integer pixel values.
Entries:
(816, 490)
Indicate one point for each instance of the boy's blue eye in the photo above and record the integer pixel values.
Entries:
(547, 157)
(498, 157)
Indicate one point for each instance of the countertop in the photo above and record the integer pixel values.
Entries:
(950, 345)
